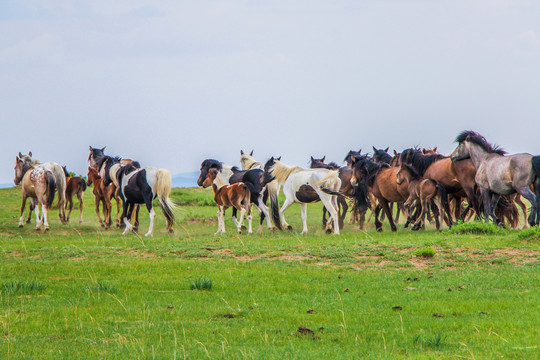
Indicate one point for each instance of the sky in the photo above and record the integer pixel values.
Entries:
(170, 83)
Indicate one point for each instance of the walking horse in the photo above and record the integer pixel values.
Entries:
(298, 185)
(38, 184)
(75, 185)
(104, 194)
(253, 178)
(59, 179)
(497, 174)
(236, 195)
(142, 186)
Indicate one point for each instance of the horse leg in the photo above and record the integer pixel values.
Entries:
(117, 211)
(250, 217)
(21, 220)
(98, 200)
(126, 215)
(44, 215)
(527, 193)
(303, 208)
(152, 215)
(523, 207)
(69, 204)
(324, 217)
(378, 224)
(32, 206)
(342, 203)
(420, 221)
(329, 201)
(265, 213)
(288, 202)
(80, 198)
(136, 208)
(242, 214)
(39, 220)
(388, 212)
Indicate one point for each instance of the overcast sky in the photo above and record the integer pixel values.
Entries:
(170, 83)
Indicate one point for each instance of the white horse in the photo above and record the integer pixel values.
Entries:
(59, 178)
(304, 186)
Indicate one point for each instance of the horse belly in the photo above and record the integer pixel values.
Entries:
(306, 194)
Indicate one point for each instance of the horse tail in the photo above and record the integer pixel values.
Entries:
(444, 197)
(82, 184)
(51, 187)
(163, 189)
(360, 197)
(329, 180)
(272, 188)
(536, 165)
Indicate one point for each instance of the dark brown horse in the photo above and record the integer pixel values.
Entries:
(75, 185)
(380, 180)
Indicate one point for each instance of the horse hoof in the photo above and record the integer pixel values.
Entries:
(171, 232)
(21, 225)
(102, 225)
(328, 231)
(46, 229)
(289, 227)
(415, 228)
(379, 229)
(38, 229)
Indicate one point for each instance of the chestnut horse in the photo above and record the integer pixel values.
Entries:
(75, 185)
(38, 184)
(380, 180)
(104, 194)
(236, 195)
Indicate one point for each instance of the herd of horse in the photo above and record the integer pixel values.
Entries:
(420, 183)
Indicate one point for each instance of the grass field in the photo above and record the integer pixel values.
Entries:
(81, 292)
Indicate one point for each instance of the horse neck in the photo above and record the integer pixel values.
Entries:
(281, 171)
(220, 181)
(226, 171)
(25, 167)
(249, 163)
(477, 154)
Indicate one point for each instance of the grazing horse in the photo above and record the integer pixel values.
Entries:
(498, 175)
(142, 186)
(104, 194)
(253, 179)
(38, 184)
(381, 181)
(75, 185)
(59, 178)
(304, 186)
(426, 191)
(236, 195)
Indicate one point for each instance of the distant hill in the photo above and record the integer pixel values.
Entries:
(178, 180)
(185, 179)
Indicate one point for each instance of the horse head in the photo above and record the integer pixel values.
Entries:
(206, 165)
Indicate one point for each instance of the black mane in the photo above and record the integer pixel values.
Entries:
(414, 173)
(476, 138)
(419, 161)
(382, 156)
(369, 169)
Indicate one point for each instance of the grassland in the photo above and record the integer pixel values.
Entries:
(79, 291)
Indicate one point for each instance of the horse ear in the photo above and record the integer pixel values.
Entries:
(241, 152)
(395, 153)
(278, 159)
(435, 149)
(251, 153)
(312, 159)
(30, 153)
(386, 150)
(20, 155)
(359, 151)
(324, 157)
(91, 150)
(424, 151)
(103, 149)
(374, 148)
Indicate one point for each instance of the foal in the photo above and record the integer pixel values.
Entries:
(103, 193)
(74, 185)
(235, 195)
(38, 184)
(427, 191)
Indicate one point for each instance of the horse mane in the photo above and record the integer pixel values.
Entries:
(281, 171)
(418, 160)
(370, 168)
(249, 162)
(476, 138)
(382, 156)
(212, 163)
(220, 180)
(415, 175)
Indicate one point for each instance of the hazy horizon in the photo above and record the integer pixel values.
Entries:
(171, 83)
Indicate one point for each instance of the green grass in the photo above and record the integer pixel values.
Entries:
(83, 292)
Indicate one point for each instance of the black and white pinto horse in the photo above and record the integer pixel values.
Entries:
(298, 182)
(142, 186)
(254, 181)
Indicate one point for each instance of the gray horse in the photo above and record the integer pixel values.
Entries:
(497, 174)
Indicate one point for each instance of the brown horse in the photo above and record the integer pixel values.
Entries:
(425, 191)
(380, 180)
(236, 195)
(104, 194)
(38, 184)
(75, 185)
